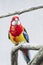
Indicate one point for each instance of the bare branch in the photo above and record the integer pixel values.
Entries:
(38, 59)
(22, 11)
(26, 46)
(14, 58)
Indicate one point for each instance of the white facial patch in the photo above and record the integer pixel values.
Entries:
(13, 23)
(16, 22)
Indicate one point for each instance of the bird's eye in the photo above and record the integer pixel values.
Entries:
(13, 23)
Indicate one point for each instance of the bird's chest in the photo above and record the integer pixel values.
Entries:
(18, 39)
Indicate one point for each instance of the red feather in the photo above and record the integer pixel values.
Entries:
(16, 30)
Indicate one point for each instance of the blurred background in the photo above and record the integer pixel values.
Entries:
(32, 21)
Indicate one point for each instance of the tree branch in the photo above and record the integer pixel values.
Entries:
(22, 11)
(14, 58)
(26, 46)
(38, 59)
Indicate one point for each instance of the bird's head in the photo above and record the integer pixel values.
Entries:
(15, 20)
(16, 27)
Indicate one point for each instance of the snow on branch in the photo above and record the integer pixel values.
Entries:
(22, 11)
(26, 46)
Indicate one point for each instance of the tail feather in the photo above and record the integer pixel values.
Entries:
(26, 55)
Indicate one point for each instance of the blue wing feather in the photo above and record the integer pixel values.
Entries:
(26, 35)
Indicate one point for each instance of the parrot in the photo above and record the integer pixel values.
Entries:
(17, 33)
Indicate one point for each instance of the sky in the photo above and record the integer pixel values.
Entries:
(32, 21)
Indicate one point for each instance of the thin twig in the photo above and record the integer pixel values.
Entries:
(22, 11)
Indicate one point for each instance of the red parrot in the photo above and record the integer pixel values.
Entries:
(17, 33)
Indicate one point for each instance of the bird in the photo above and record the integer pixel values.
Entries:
(17, 34)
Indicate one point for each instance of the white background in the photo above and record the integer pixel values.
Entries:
(32, 21)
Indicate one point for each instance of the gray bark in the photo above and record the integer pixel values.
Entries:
(22, 11)
(14, 58)
(26, 46)
(38, 59)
